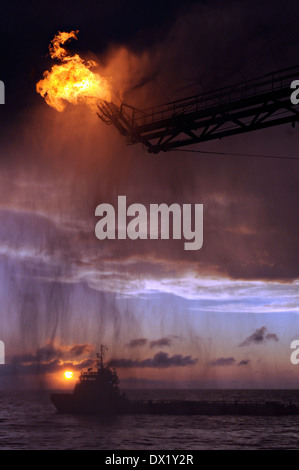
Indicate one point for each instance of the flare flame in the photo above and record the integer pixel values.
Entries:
(73, 79)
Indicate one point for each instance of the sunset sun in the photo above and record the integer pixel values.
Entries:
(68, 374)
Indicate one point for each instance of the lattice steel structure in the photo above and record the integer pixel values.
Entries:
(243, 107)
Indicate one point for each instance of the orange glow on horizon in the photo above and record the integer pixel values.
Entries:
(72, 80)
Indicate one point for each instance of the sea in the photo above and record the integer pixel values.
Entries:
(29, 421)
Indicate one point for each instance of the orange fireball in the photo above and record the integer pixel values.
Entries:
(73, 79)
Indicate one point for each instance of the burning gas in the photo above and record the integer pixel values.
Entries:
(72, 80)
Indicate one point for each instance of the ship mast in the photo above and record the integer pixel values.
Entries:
(100, 356)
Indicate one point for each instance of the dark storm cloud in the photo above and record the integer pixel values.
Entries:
(79, 349)
(229, 361)
(198, 53)
(157, 343)
(136, 343)
(244, 362)
(16, 368)
(51, 354)
(259, 336)
(162, 342)
(223, 361)
(159, 360)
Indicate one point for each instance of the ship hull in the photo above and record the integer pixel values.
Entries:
(69, 403)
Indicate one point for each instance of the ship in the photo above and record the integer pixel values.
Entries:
(97, 393)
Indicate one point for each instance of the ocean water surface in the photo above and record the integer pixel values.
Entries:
(29, 421)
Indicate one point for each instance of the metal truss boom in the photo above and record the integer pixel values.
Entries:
(243, 107)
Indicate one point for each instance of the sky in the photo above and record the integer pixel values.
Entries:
(223, 316)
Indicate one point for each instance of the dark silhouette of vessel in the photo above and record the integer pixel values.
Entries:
(98, 393)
